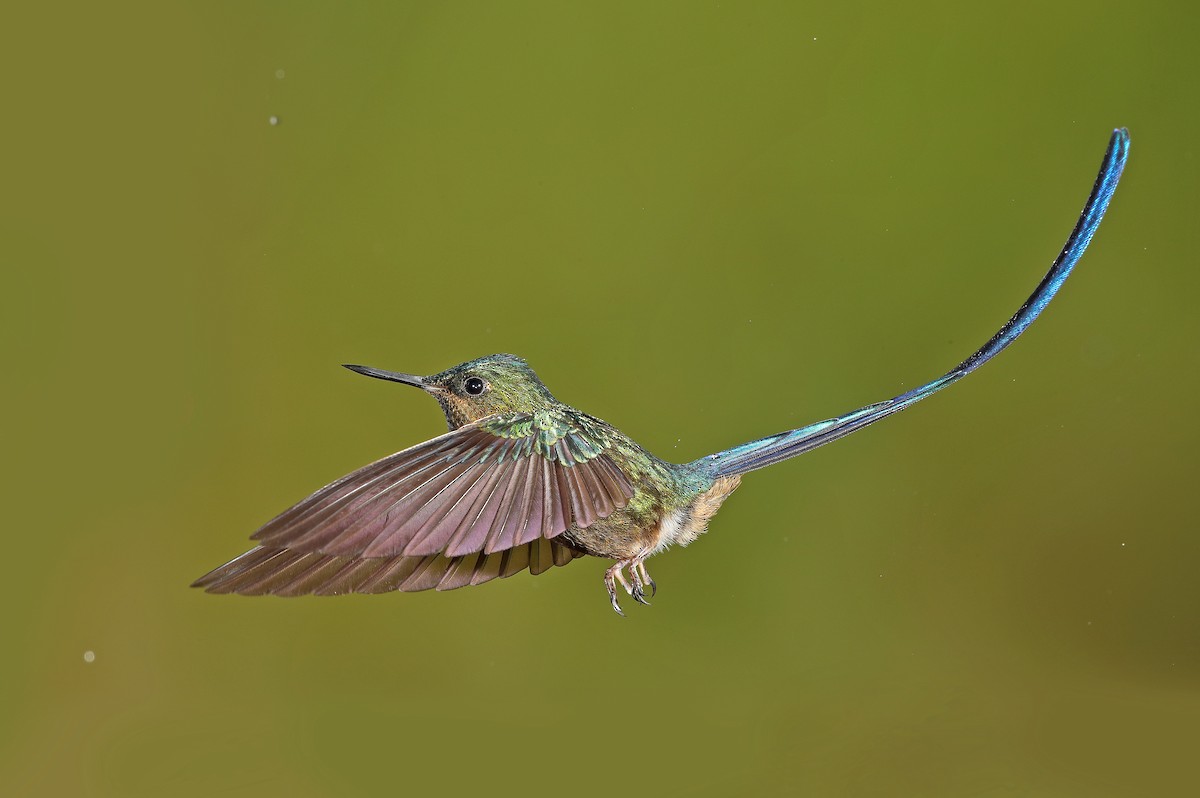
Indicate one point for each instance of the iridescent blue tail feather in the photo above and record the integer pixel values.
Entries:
(775, 448)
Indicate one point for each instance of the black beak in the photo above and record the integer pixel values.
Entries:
(393, 376)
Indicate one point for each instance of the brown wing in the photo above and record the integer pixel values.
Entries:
(485, 487)
(290, 573)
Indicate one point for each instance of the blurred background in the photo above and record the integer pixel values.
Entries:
(703, 223)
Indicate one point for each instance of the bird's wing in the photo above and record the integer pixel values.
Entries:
(283, 572)
(496, 484)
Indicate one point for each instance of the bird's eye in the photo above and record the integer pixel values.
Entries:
(474, 386)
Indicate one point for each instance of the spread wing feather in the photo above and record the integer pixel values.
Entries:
(481, 502)
(284, 572)
(476, 489)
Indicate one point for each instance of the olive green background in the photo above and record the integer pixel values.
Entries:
(703, 222)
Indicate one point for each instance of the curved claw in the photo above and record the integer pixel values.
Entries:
(639, 589)
(610, 584)
(645, 576)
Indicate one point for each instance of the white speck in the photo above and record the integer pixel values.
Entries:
(1122, 545)
(89, 656)
(273, 120)
(280, 74)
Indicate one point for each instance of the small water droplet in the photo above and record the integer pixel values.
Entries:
(89, 656)
(273, 121)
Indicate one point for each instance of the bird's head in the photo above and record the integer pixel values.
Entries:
(478, 388)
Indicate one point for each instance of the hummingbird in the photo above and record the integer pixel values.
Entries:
(522, 481)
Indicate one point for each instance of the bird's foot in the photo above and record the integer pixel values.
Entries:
(610, 582)
(639, 587)
(641, 569)
(639, 577)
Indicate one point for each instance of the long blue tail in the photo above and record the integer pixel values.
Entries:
(773, 449)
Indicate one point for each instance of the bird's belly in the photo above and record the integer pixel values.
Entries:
(617, 537)
(688, 523)
(621, 535)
